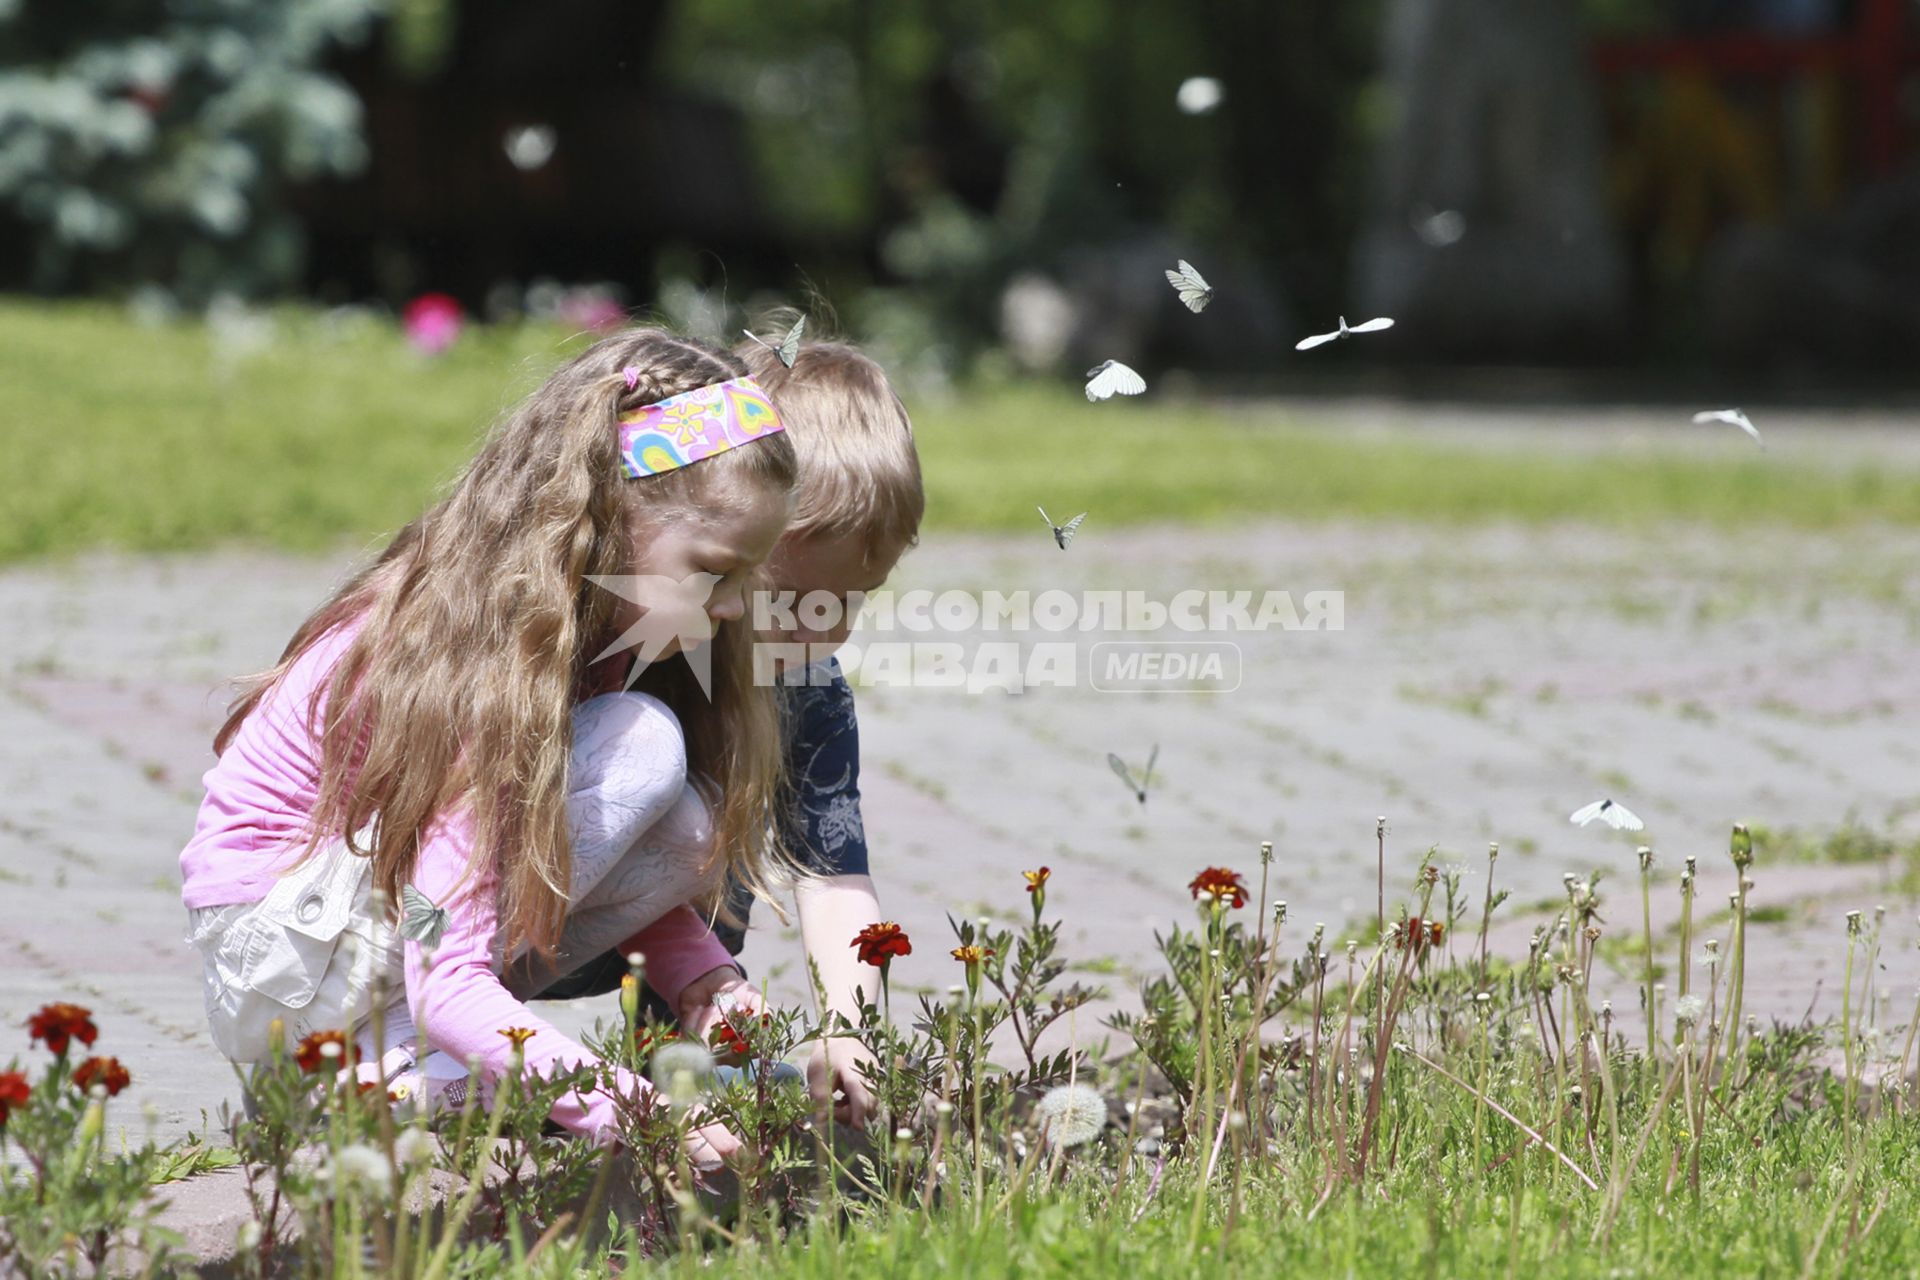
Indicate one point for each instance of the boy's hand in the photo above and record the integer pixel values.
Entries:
(836, 1065)
(698, 1014)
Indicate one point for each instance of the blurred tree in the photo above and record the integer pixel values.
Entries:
(148, 143)
(948, 143)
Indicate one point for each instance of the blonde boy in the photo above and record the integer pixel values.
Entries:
(857, 510)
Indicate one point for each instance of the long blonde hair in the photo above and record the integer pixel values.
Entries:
(457, 693)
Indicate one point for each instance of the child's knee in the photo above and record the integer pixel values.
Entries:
(628, 748)
(684, 837)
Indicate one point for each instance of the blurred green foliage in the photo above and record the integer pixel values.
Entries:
(145, 143)
(966, 138)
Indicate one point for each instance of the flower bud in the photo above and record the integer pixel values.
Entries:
(630, 1000)
(1741, 847)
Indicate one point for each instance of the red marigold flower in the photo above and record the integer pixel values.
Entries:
(14, 1092)
(728, 1038)
(1221, 885)
(311, 1052)
(105, 1072)
(646, 1039)
(1037, 880)
(879, 943)
(1421, 934)
(60, 1023)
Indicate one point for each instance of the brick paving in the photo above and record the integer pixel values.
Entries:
(1486, 682)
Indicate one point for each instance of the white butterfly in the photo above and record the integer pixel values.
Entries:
(420, 919)
(1194, 290)
(1617, 816)
(1109, 377)
(1062, 533)
(1125, 774)
(789, 348)
(1345, 330)
(1732, 417)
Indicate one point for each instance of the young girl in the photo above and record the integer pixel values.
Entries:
(445, 733)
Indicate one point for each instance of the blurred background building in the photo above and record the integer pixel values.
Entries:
(1662, 187)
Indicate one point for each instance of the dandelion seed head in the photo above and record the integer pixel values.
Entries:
(1687, 1010)
(359, 1163)
(331, 1049)
(680, 1056)
(412, 1146)
(1071, 1115)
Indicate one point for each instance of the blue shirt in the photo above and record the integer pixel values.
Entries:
(821, 826)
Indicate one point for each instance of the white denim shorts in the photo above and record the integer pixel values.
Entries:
(309, 954)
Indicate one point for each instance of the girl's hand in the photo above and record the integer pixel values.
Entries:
(698, 1012)
(836, 1066)
(709, 1145)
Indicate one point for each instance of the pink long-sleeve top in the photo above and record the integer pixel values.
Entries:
(251, 827)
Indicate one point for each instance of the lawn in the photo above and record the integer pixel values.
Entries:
(1416, 1106)
(146, 437)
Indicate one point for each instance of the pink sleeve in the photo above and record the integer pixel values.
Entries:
(457, 999)
(678, 947)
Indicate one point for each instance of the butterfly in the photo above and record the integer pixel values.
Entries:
(1104, 379)
(1732, 417)
(420, 920)
(1125, 774)
(1345, 330)
(1193, 288)
(789, 348)
(1062, 533)
(1617, 816)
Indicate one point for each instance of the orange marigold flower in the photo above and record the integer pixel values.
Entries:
(878, 944)
(14, 1092)
(1037, 880)
(971, 955)
(311, 1052)
(518, 1035)
(105, 1072)
(60, 1023)
(1221, 885)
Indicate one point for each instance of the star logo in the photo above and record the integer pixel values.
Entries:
(668, 616)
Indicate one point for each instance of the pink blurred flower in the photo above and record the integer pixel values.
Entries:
(592, 310)
(432, 321)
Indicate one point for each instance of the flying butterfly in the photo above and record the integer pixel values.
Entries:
(1345, 330)
(1125, 774)
(1732, 417)
(789, 348)
(1617, 816)
(1106, 379)
(1062, 533)
(1193, 288)
(420, 919)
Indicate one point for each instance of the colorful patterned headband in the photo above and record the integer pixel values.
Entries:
(681, 430)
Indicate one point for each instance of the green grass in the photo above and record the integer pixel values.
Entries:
(1427, 1221)
(121, 435)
